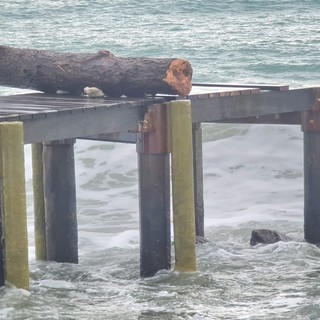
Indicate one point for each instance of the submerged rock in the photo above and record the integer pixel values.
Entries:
(267, 236)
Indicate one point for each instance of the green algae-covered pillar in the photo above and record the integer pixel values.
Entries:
(14, 268)
(182, 185)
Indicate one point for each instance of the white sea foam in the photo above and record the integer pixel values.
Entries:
(56, 284)
(254, 177)
(4, 313)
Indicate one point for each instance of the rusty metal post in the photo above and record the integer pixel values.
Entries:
(154, 192)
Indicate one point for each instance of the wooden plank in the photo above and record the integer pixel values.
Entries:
(206, 92)
(126, 137)
(54, 103)
(239, 85)
(278, 118)
(20, 110)
(266, 102)
(60, 102)
(86, 122)
(209, 92)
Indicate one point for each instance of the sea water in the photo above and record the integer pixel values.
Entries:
(253, 175)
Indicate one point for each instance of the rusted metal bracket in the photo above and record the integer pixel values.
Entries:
(311, 119)
(147, 124)
(152, 130)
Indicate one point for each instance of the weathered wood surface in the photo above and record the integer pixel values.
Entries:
(52, 117)
(231, 107)
(62, 117)
(243, 85)
(49, 71)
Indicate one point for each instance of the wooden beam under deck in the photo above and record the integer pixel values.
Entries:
(228, 108)
(242, 85)
(278, 118)
(48, 118)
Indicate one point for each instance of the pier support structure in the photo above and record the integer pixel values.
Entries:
(60, 201)
(311, 129)
(14, 267)
(38, 203)
(182, 185)
(154, 192)
(198, 178)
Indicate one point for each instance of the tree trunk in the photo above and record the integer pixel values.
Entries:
(49, 71)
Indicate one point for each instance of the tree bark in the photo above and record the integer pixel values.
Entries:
(49, 71)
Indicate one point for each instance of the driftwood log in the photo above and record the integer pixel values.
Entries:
(49, 72)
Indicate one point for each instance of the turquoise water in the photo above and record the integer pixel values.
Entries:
(252, 174)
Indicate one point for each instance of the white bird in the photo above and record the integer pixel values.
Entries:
(93, 92)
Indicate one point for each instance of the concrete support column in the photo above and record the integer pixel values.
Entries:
(60, 201)
(14, 266)
(182, 185)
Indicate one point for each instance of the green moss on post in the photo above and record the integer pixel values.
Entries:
(182, 185)
(38, 199)
(14, 205)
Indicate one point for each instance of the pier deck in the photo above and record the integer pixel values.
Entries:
(48, 118)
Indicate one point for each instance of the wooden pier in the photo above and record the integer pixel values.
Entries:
(52, 123)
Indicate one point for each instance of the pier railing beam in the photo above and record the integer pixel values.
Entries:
(154, 192)
(311, 128)
(38, 200)
(182, 185)
(14, 269)
(198, 178)
(60, 201)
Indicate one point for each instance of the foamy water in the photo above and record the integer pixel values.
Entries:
(253, 174)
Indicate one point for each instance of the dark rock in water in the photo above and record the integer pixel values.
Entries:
(267, 236)
(200, 239)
